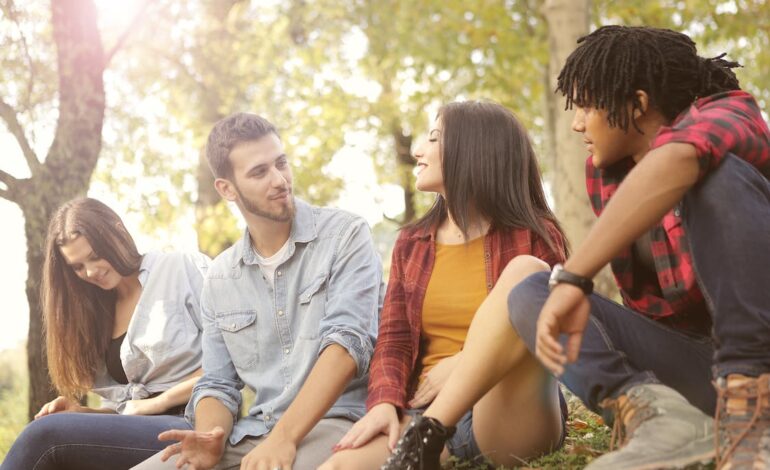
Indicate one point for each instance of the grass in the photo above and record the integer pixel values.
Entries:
(587, 438)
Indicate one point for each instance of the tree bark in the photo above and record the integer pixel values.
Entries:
(69, 164)
(405, 165)
(568, 20)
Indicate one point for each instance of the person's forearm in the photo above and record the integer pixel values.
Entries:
(210, 413)
(334, 369)
(651, 189)
(180, 393)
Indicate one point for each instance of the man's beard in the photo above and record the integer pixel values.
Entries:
(285, 215)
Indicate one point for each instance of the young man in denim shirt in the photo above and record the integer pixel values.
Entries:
(290, 310)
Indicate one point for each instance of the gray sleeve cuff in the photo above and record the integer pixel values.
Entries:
(359, 347)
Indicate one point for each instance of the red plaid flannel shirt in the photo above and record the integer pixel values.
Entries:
(724, 123)
(394, 363)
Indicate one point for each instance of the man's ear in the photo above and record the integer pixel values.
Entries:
(226, 189)
(644, 103)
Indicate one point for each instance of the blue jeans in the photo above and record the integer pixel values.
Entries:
(85, 441)
(727, 222)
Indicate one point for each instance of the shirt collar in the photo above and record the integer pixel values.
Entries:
(303, 230)
(148, 261)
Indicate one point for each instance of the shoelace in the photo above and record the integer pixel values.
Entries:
(757, 390)
(630, 411)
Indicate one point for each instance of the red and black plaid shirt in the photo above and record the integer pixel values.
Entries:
(716, 125)
(398, 344)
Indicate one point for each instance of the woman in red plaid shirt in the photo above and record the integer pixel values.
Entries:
(451, 271)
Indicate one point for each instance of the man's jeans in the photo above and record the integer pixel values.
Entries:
(86, 441)
(727, 221)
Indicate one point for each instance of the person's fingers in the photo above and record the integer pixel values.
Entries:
(573, 346)
(364, 436)
(173, 435)
(182, 460)
(393, 433)
(348, 438)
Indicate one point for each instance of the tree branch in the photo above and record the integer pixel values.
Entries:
(9, 9)
(7, 178)
(8, 114)
(10, 182)
(124, 36)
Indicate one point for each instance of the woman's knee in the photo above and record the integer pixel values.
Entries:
(519, 268)
(48, 429)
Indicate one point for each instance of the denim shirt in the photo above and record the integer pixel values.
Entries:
(328, 291)
(163, 341)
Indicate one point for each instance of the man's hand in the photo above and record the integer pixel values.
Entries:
(275, 452)
(381, 418)
(199, 450)
(59, 405)
(147, 406)
(566, 311)
(433, 381)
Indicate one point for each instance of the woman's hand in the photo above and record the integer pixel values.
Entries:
(433, 381)
(59, 405)
(382, 418)
(147, 406)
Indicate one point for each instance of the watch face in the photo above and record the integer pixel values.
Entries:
(554, 279)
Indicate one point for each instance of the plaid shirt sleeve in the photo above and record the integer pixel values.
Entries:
(723, 123)
(390, 366)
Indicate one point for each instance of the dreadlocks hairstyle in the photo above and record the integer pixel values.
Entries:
(78, 316)
(489, 169)
(611, 63)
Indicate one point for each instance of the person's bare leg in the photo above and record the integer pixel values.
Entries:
(369, 456)
(519, 398)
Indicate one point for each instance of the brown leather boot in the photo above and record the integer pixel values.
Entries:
(743, 422)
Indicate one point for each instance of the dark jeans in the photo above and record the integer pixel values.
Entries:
(84, 441)
(727, 221)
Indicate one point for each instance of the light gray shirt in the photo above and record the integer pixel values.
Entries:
(163, 341)
(327, 291)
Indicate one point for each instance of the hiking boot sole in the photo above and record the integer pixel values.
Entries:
(704, 455)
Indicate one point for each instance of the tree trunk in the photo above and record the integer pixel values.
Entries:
(568, 20)
(405, 165)
(69, 164)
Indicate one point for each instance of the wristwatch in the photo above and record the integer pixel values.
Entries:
(559, 276)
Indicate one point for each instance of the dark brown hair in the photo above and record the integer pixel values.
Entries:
(490, 170)
(78, 316)
(228, 133)
(611, 63)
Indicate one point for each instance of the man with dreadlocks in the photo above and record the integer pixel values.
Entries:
(687, 233)
(688, 237)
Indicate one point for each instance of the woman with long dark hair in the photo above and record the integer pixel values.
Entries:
(451, 271)
(123, 325)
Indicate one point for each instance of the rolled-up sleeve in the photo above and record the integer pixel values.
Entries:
(354, 296)
(219, 379)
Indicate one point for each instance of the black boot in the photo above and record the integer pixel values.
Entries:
(421, 445)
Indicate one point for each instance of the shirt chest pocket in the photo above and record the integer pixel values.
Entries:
(160, 327)
(239, 332)
(312, 305)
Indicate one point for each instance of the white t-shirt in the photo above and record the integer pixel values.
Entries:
(269, 265)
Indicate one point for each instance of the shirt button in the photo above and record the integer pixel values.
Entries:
(232, 326)
(286, 351)
(280, 313)
(285, 388)
(279, 273)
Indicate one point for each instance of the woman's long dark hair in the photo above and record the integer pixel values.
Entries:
(78, 316)
(490, 170)
(611, 63)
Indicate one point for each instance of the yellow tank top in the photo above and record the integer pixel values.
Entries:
(456, 289)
